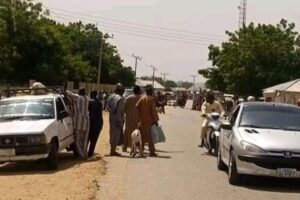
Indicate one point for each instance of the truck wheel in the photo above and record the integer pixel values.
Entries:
(52, 162)
(234, 177)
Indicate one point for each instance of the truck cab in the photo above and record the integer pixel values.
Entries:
(34, 127)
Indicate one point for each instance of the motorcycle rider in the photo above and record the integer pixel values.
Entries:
(209, 106)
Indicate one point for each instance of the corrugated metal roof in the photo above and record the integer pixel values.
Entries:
(143, 83)
(290, 86)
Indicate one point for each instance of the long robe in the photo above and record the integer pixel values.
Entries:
(96, 124)
(148, 117)
(115, 107)
(81, 121)
(131, 117)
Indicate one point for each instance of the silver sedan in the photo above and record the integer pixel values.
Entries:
(261, 139)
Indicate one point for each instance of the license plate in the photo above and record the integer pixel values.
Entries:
(286, 173)
(7, 152)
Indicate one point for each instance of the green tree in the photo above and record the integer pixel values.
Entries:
(33, 46)
(185, 84)
(170, 84)
(254, 58)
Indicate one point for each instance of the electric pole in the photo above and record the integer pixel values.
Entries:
(194, 78)
(100, 61)
(243, 14)
(164, 75)
(153, 75)
(136, 61)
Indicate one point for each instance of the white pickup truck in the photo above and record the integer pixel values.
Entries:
(34, 127)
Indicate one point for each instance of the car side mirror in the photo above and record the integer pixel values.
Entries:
(226, 126)
(62, 114)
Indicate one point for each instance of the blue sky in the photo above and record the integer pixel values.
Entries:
(181, 60)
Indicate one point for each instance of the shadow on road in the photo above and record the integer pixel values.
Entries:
(146, 155)
(161, 151)
(65, 161)
(272, 184)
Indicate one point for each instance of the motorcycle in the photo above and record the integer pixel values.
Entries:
(181, 102)
(211, 141)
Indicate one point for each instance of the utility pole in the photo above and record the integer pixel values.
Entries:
(136, 61)
(243, 14)
(100, 61)
(164, 75)
(153, 75)
(194, 78)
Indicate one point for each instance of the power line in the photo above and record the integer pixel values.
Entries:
(130, 33)
(143, 31)
(140, 25)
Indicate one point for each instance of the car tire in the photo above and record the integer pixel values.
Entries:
(234, 177)
(52, 161)
(220, 164)
(216, 148)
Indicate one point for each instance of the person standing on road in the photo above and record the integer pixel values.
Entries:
(81, 121)
(209, 106)
(96, 122)
(161, 102)
(115, 107)
(131, 116)
(148, 117)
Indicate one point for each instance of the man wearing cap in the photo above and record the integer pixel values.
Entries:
(115, 107)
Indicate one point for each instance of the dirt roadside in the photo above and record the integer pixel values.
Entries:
(75, 179)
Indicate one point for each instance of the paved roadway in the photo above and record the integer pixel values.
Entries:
(184, 171)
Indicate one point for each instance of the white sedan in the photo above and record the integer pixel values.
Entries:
(261, 139)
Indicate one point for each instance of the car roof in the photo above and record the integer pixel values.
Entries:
(31, 97)
(267, 104)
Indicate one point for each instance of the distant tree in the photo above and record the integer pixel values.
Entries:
(185, 84)
(170, 84)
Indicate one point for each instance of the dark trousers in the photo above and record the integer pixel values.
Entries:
(150, 145)
(93, 138)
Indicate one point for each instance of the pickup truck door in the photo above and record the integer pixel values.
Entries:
(65, 126)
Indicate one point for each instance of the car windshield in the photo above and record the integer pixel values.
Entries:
(271, 117)
(26, 109)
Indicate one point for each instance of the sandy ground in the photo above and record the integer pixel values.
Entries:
(75, 179)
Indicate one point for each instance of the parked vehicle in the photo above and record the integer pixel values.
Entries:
(34, 127)
(261, 139)
(211, 142)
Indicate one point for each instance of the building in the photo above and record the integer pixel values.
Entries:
(157, 86)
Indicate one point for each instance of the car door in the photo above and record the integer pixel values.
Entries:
(227, 134)
(65, 125)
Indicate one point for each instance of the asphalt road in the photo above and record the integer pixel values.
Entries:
(184, 171)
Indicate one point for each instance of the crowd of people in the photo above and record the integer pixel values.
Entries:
(137, 111)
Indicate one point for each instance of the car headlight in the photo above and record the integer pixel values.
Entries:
(251, 148)
(37, 139)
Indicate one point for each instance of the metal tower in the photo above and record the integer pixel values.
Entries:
(243, 13)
